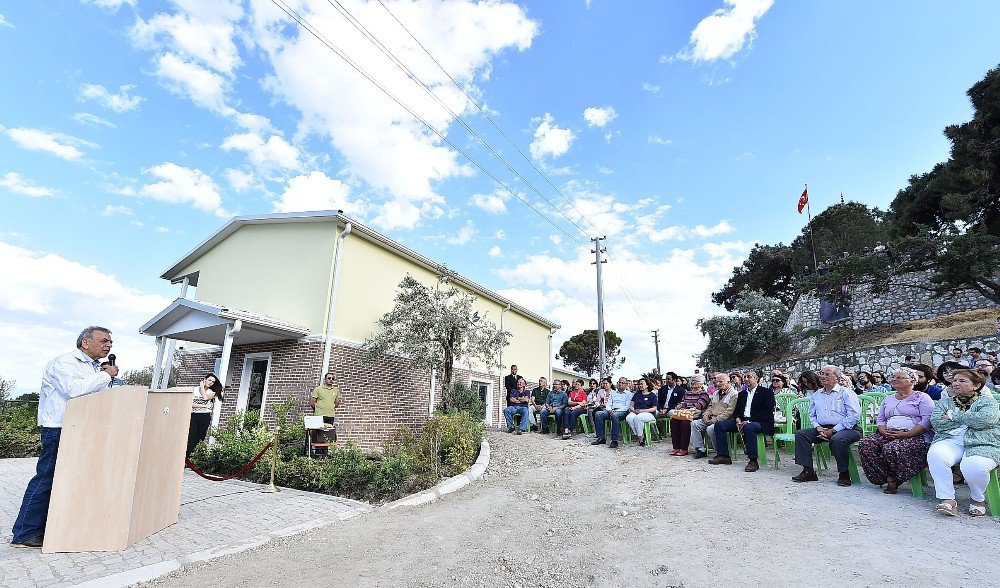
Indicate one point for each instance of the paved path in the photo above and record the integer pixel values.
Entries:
(215, 518)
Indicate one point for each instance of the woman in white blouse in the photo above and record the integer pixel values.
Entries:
(202, 402)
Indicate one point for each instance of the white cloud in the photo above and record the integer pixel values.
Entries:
(181, 185)
(682, 233)
(85, 118)
(599, 116)
(19, 184)
(495, 203)
(726, 31)
(205, 88)
(112, 5)
(550, 139)
(4, 22)
(722, 228)
(464, 235)
(46, 300)
(110, 210)
(240, 181)
(206, 35)
(605, 170)
(556, 239)
(651, 88)
(58, 144)
(384, 145)
(495, 251)
(658, 140)
(121, 102)
(162, 230)
(266, 155)
(317, 191)
(500, 235)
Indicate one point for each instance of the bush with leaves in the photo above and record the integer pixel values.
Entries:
(19, 432)
(243, 437)
(448, 444)
(461, 398)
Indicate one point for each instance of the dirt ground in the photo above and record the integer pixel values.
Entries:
(564, 513)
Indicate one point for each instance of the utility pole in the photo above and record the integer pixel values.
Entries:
(656, 342)
(601, 352)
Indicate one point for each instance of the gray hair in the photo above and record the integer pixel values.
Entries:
(698, 378)
(837, 370)
(88, 333)
(911, 374)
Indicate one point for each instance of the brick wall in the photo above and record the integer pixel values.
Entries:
(378, 396)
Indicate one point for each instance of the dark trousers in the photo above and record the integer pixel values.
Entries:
(556, 412)
(200, 422)
(680, 433)
(840, 446)
(601, 416)
(30, 522)
(750, 432)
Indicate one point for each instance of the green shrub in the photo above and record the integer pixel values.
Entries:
(236, 444)
(300, 472)
(460, 398)
(448, 444)
(394, 477)
(19, 432)
(351, 473)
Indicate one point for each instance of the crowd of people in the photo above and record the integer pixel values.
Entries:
(946, 421)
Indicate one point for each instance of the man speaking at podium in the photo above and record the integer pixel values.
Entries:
(70, 375)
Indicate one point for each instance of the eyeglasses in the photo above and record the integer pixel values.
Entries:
(776, 380)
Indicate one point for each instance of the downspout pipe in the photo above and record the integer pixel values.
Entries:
(328, 336)
(500, 376)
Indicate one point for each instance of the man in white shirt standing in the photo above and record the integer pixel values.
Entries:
(67, 376)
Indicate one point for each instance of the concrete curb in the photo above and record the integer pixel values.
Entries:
(448, 486)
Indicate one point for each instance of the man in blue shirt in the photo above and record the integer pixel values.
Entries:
(68, 376)
(834, 412)
(517, 403)
(556, 402)
(617, 410)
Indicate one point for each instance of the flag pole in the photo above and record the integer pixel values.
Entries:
(811, 239)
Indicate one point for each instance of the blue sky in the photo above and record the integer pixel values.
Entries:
(684, 131)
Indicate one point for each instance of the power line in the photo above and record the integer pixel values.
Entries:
(488, 117)
(427, 89)
(302, 22)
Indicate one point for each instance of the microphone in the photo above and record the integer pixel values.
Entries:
(111, 361)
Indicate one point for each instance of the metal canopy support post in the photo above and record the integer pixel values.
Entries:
(601, 351)
(154, 383)
(227, 350)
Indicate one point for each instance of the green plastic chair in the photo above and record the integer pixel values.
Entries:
(870, 405)
(823, 453)
(554, 426)
(993, 493)
(665, 421)
(648, 430)
(787, 436)
(583, 423)
(917, 484)
(626, 431)
(783, 399)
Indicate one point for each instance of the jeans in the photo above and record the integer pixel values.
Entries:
(558, 412)
(570, 415)
(30, 522)
(510, 411)
(616, 423)
(699, 431)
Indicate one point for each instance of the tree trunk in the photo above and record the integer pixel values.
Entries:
(449, 363)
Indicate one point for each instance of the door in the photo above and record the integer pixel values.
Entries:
(485, 391)
(253, 384)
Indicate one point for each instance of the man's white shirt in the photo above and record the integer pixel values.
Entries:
(68, 376)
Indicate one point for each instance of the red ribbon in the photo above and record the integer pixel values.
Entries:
(245, 469)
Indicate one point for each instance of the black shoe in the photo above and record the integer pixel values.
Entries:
(721, 460)
(510, 429)
(613, 444)
(545, 431)
(844, 479)
(806, 475)
(599, 441)
(752, 466)
(519, 431)
(698, 454)
(643, 442)
(33, 543)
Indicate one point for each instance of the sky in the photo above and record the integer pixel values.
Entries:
(496, 137)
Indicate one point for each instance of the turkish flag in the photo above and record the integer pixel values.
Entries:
(803, 200)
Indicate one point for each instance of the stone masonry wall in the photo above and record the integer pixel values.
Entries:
(899, 305)
(887, 357)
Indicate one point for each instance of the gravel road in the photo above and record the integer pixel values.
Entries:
(555, 513)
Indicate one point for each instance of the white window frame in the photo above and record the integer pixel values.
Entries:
(243, 396)
(488, 417)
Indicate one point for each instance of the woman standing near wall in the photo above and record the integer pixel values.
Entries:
(202, 403)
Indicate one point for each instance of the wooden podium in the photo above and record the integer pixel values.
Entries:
(119, 470)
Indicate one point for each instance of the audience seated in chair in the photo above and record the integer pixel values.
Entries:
(616, 410)
(691, 407)
(720, 408)
(834, 412)
(753, 415)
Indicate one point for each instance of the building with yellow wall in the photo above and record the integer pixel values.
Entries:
(272, 302)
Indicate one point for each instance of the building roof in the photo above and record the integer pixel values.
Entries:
(356, 228)
(203, 322)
